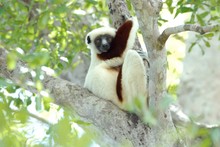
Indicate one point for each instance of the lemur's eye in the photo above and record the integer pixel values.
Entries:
(109, 39)
(98, 41)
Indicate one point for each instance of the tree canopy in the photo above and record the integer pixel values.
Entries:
(45, 36)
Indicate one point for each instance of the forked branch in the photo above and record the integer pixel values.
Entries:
(182, 28)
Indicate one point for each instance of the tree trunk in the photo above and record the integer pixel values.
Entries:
(147, 13)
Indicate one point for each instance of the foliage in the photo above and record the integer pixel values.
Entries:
(202, 12)
(45, 32)
(45, 35)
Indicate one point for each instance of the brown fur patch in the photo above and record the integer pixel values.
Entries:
(115, 69)
(119, 85)
(119, 43)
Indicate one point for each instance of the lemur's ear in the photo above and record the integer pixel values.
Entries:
(88, 39)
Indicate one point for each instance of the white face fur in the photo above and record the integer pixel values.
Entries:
(99, 40)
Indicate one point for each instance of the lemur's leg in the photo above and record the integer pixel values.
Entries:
(134, 89)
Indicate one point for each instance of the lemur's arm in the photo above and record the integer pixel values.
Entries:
(123, 41)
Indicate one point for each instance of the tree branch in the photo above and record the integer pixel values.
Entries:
(115, 125)
(182, 28)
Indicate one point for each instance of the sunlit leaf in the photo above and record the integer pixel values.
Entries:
(21, 115)
(42, 22)
(169, 4)
(39, 85)
(46, 102)
(61, 11)
(18, 102)
(37, 59)
(200, 20)
(209, 35)
(11, 60)
(3, 121)
(11, 89)
(63, 132)
(204, 14)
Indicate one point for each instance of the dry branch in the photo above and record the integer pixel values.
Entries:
(182, 28)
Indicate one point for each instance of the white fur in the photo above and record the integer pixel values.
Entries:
(100, 31)
(101, 79)
(134, 81)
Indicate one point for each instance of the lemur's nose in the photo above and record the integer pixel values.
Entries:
(106, 46)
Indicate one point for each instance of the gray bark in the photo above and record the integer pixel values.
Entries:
(114, 123)
(147, 13)
(118, 126)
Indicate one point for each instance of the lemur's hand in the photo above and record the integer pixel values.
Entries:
(144, 56)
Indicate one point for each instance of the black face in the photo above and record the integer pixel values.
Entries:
(103, 42)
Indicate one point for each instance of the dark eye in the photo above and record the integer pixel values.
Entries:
(98, 41)
(109, 39)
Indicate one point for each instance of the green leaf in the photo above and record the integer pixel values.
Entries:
(186, 9)
(200, 20)
(213, 2)
(169, 53)
(172, 89)
(207, 44)
(192, 18)
(41, 1)
(39, 85)
(46, 102)
(191, 46)
(204, 14)
(11, 89)
(169, 4)
(92, 2)
(28, 101)
(43, 20)
(61, 11)
(3, 121)
(62, 132)
(37, 59)
(183, 9)
(22, 115)
(11, 60)
(18, 102)
(209, 35)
